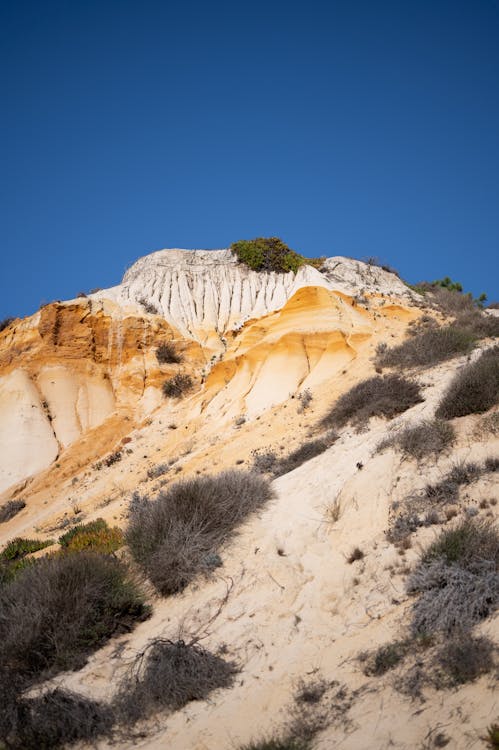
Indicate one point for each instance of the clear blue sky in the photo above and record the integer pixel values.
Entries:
(356, 127)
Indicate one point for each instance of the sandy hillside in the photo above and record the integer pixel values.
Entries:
(84, 426)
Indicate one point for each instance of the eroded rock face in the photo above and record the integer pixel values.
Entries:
(248, 339)
(206, 293)
(67, 370)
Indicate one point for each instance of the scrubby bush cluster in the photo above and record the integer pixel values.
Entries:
(474, 389)
(427, 348)
(95, 535)
(177, 386)
(149, 307)
(429, 437)
(166, 353)
(456, 579)
(10, 509)
(175, 673)
(266, 461)
(270, 254)
(178, 535)
(381, 396)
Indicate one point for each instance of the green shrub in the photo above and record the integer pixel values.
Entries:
(384, 396)
(427, 438)
(270, 254)
(166, 353)
(95, 535)
(492, 737)
(177, 386)
(19, 548)
(474, 389)
(57, 611)
(178, 536)
(10, 509)
(82, 528)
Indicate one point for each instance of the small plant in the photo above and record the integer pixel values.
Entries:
(166, 353)
(10, 509)
(355, 554)
(177, 386)
(305, 399)
(430, 437)
(384, 396)
(175, 674)
(149, 307)
(158, 471)
(384, 658)
(491, 739)
(5, 323)
(19, 548)
(264, 460)
(303, 453)
(177, 537)
(463, 659)
(276, 743)
(113, 458)
(101, 539)
(474, 390)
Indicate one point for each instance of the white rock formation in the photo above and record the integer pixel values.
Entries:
(206, 292)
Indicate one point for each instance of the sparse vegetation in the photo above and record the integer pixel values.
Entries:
(20, 547)
(456, 578)
(384, 658)
(177, 386)
(158, 471)
(166, 353)
(276, 743)
(175, 673)
(463, 659)
(305, 399)
(427, 348)
(55, 612)
(52, 720)
(474, 389)
(149, 307)
(177, 536)
(430, 437)
(95, 535)
(270, 254)
(10, 509)
(384, 396)
(305, 452)
(491, 739)
(355, 554)
(5, 323)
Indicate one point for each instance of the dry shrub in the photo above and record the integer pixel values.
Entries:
(456, 578)
(10, 509)
(486, 426)
(463, 659)
(177, 536)
(175, 673)
(384, 396)
(276, 743)
(264, 460)
(384, 658)
(430, 437)
(305, 452)
(480, 324)
(167, 354)
(177, 386)
(428, 348)
(53, 720)
(474, 389)
(55, 612)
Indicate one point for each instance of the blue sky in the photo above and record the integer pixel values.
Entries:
(358, 128)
